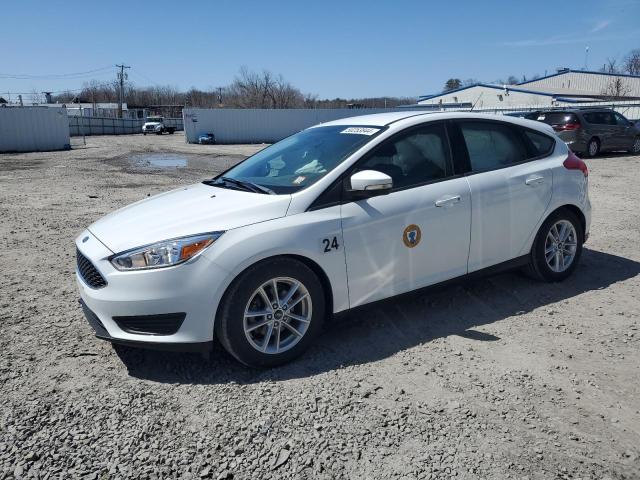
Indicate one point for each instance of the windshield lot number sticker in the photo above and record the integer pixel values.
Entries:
(330, 244)
(360, 130)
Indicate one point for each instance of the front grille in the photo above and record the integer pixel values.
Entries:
(88, 272)
(161, 324)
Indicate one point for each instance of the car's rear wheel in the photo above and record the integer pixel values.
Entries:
(635, 148)
(593, 148)
(557, 247)
(271, 313)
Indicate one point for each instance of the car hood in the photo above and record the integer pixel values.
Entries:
(185, 211)
(152, 124)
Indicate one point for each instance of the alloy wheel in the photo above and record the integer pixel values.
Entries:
(277, 315)
(560, 246)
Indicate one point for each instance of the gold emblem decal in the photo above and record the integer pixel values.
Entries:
(411, 235)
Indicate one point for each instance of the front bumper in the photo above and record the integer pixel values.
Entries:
(190, 291)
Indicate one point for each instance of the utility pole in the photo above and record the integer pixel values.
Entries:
(220, 96)
(121, 76)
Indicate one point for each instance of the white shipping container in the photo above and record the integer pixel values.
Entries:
(33, 129)
(260, 125)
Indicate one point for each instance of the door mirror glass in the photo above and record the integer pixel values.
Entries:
(371, 181)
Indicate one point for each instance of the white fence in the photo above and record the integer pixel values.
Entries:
(112, 126)
(259, 125)
(33, 129)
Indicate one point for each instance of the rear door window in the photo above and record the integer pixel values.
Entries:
(492, 145)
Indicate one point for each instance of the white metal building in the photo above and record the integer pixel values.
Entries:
(589, 83)
(566, 86)
(33, 129)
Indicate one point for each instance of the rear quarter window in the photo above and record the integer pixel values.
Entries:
(540, 144)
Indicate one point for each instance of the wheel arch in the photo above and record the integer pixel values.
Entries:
(313, 266)
(574, 209)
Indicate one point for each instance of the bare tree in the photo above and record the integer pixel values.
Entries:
(249, 89)
(632, 62)
(36, 97)
(611, 66)
(617, 88)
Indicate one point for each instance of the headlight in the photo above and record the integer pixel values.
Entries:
(164, 254)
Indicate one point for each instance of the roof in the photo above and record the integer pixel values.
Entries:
(402, 118)
(562, 94)
(588, 72)
(488, 85)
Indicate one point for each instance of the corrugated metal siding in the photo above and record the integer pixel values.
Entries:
(112, 126)
(32, 129)
(258, 125)
(587, 82)
(485, 97)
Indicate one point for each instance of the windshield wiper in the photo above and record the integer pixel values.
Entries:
(252, 187)
(239, 185)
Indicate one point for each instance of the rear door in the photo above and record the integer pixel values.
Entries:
(510, 189)
(603, 126)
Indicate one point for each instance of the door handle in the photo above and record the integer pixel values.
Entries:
(448, 200)
(535, 180)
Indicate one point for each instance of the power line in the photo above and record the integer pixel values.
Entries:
(52, 76)
(68, 90)
(144, 77)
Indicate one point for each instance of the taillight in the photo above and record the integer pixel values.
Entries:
(567, 126)
(574, 163)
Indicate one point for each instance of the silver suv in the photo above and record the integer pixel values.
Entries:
(589, 131)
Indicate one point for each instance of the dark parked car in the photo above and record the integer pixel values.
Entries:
(589, 131)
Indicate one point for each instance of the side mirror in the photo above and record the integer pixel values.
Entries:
(369, 183)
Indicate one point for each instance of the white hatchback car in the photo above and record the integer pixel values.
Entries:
(337, 216)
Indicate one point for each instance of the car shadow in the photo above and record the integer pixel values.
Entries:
(380, 331)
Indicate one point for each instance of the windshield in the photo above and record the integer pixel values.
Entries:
(302, 159)
(154, 119)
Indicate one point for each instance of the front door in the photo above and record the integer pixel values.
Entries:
(625, 133)
(416, 235)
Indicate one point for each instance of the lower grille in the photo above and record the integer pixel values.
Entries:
(162, 324)
(88, 272)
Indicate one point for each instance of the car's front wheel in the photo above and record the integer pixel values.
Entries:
(557, 247)
(635, 148)
(271, 313)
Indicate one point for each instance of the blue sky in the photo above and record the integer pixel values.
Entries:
(329, 48)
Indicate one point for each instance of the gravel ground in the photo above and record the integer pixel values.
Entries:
(499, 378)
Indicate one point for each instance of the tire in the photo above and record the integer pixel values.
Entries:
(143, 133)
(593, 148)
(246, 342)
(171, 130)
(539, 267)
(635, 149)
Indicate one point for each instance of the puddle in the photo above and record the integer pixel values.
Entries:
(158, 160)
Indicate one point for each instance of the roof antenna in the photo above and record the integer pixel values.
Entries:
(476, 102)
